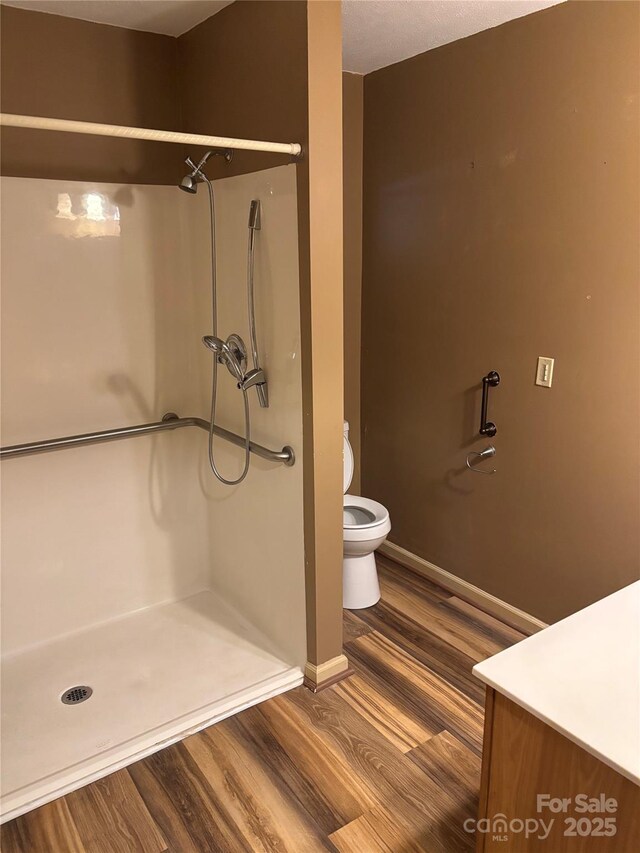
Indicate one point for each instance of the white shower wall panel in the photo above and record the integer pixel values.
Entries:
(98, 331)
(256, 528)
(105, 297)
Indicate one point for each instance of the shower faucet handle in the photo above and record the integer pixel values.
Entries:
(253, 377)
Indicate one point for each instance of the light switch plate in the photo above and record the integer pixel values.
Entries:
(544, 373)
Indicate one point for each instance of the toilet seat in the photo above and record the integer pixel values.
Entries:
(362, 513)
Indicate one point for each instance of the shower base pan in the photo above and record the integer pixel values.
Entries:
(157, 675)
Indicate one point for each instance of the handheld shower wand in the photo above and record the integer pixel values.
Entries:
(258, 378)
(231, 352)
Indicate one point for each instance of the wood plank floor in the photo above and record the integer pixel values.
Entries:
(388, 760)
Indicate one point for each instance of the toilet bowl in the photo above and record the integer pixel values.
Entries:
(365, 526)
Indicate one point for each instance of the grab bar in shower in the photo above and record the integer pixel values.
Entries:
(169, 421)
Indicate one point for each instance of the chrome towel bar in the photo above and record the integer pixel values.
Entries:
(169, 421)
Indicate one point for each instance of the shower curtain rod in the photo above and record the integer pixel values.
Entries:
(169, 421)
(67, 126)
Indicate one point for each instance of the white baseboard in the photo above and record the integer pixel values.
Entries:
(463, 589)
(324, 671)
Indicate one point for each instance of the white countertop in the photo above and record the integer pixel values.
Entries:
(581, 676)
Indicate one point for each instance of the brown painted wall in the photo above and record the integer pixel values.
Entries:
(352, 129)
(64, 68)
(321, 295)
(243, 73)
(501, 198)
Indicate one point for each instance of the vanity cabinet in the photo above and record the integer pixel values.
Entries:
(587, 807)
(561, 756)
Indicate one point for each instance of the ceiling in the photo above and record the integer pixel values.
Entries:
(170, 17)
(380, 32)
(375, 32)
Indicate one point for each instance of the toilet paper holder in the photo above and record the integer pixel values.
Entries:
(487, 453)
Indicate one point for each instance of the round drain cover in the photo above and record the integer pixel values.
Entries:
(75, 695)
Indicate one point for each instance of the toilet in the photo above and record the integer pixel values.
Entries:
(365, 526)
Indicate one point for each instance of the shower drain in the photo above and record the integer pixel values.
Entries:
(75, 695)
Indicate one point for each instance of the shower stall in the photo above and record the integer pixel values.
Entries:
(143, 597)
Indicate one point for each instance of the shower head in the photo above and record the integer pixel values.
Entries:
(190, 182)
(216, 345)
(232, 353)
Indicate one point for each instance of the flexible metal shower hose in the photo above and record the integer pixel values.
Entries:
(214, 374)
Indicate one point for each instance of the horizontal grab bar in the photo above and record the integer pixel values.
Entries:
(169, 421)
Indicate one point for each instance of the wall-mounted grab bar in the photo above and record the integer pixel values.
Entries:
(169, 421)
(489, 381)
